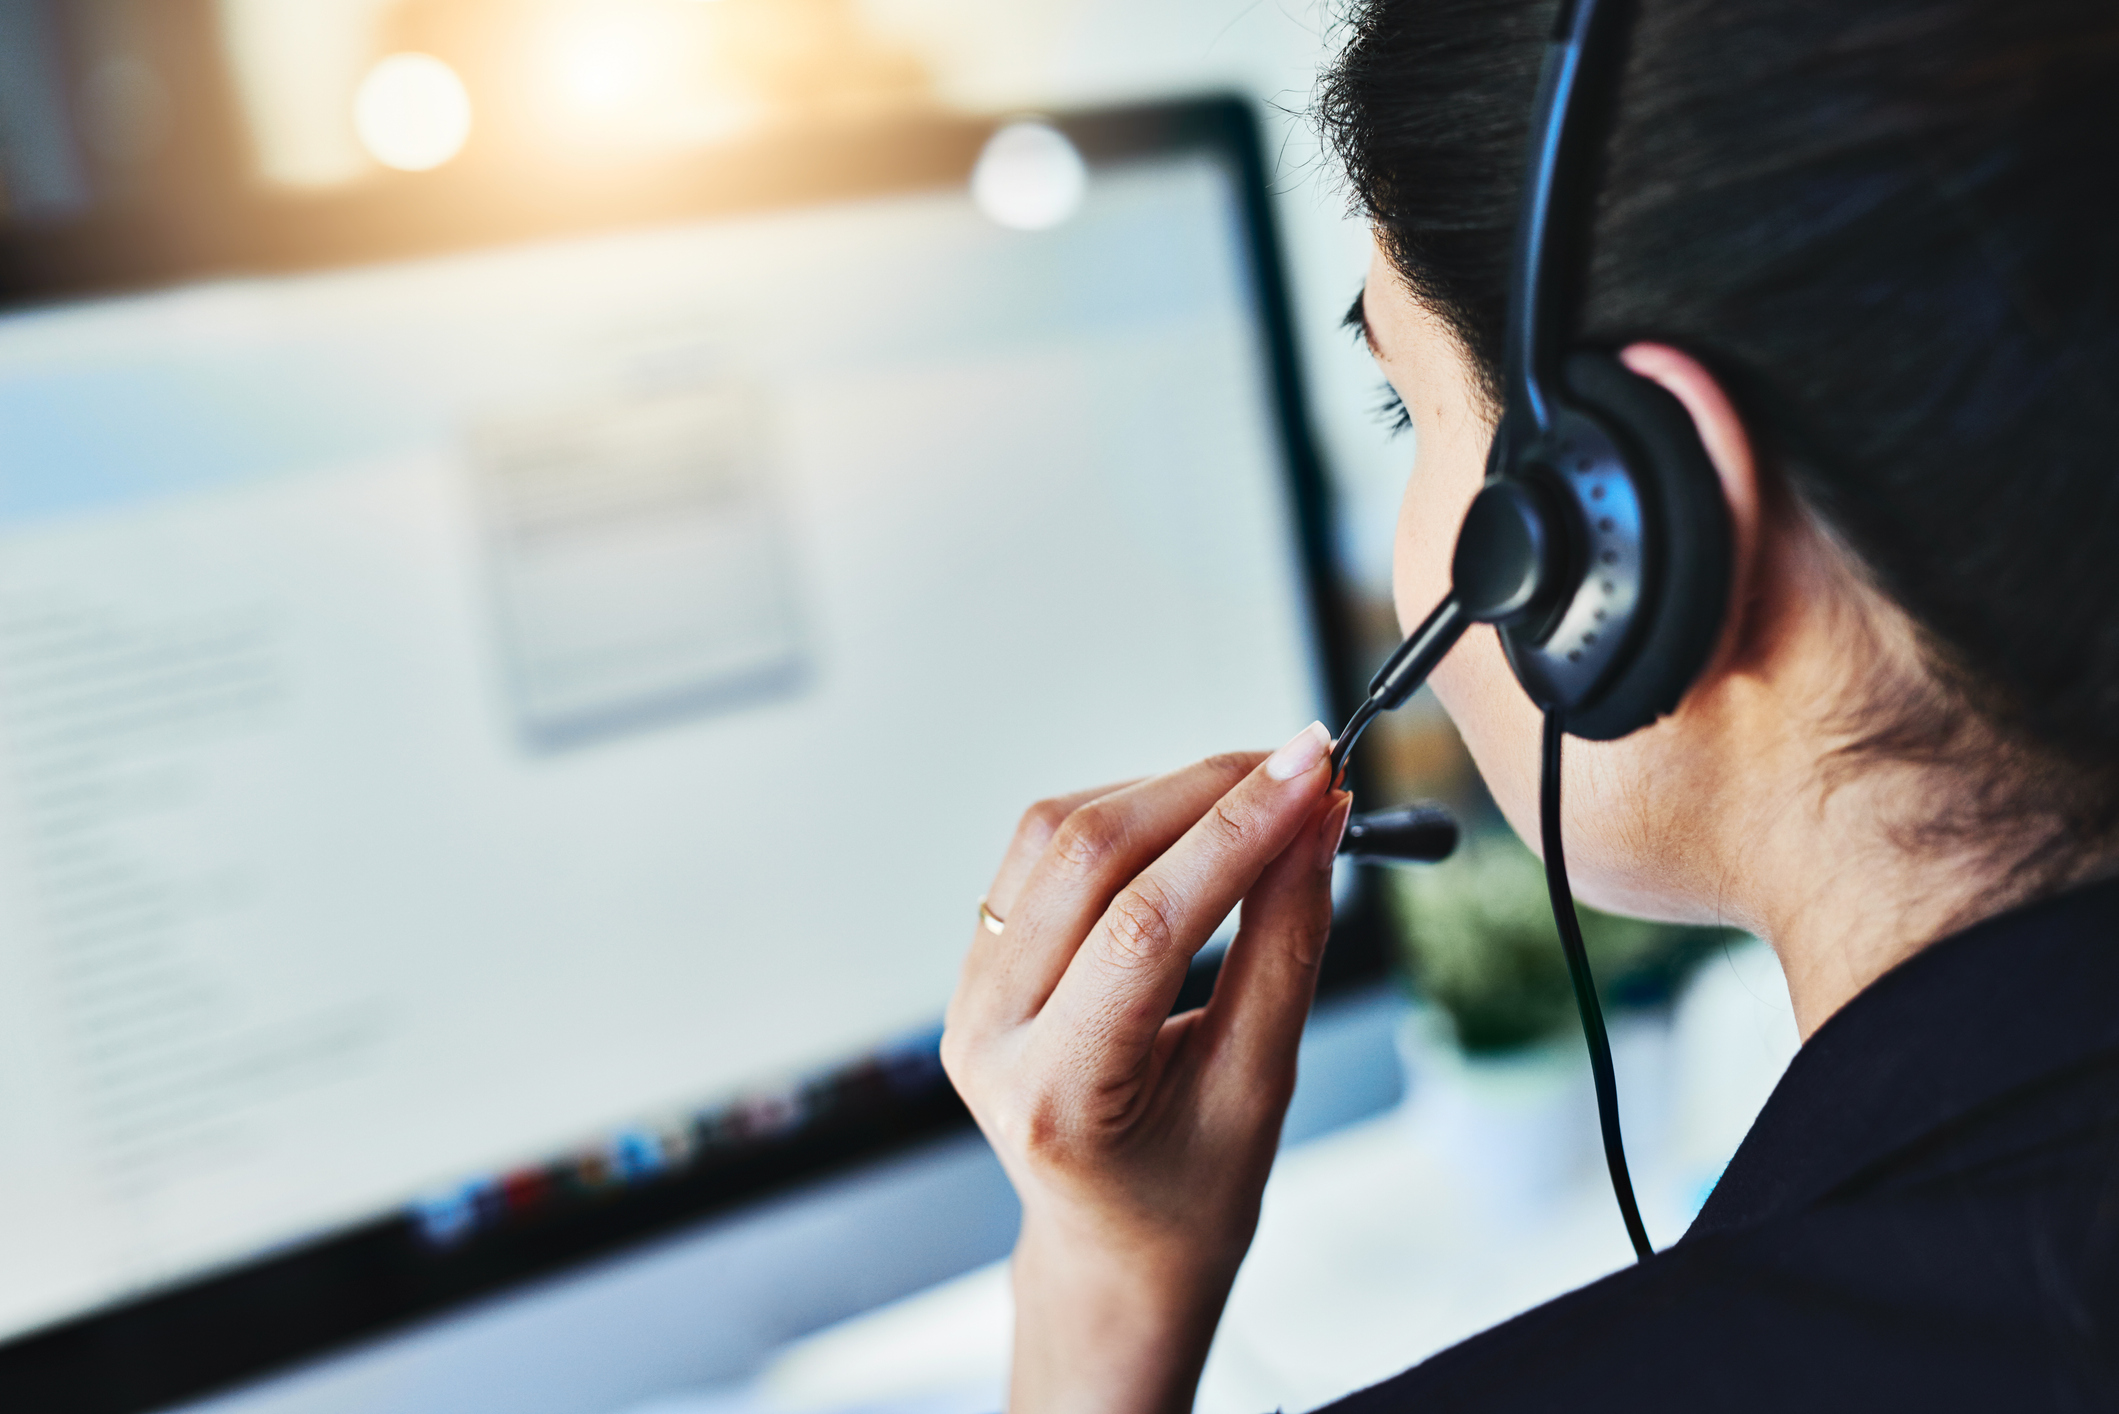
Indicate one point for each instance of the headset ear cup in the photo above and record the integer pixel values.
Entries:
(1687, 596)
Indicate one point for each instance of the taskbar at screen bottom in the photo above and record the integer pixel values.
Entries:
(479, 1236)
(496, 1231)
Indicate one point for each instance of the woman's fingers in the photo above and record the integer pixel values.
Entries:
(1033, 833)
(1117, 991)
(1262, 997)
(1099, 846)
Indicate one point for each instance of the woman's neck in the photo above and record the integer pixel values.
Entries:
(1844, 910)
(1835, 848)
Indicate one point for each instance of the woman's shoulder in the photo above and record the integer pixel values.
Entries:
(1921, 1214)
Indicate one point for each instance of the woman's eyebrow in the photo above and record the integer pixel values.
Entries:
(1357, 319)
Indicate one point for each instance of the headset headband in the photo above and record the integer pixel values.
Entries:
(1575, 86)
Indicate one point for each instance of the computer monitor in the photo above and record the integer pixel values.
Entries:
(508, 702)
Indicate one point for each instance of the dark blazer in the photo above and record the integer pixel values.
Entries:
(1925, 1216)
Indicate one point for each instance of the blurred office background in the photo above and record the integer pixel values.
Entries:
(110, 103)
(1445, 1173)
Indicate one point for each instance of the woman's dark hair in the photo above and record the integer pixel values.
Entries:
(1892, 228)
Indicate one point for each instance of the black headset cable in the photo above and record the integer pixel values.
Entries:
(1570, 926)
(1398, 679)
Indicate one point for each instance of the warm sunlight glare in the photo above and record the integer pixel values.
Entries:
(615, 57)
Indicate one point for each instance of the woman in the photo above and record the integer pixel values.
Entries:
(1872, 248)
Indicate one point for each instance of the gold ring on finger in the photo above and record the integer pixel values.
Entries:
(990, 920)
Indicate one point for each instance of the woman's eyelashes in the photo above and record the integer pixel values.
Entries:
(1390, 410)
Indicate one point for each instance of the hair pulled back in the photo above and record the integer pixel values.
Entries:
(1892, 228)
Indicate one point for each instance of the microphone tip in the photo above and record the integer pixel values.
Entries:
(1422, 833)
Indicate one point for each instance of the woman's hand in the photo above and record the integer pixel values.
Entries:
(1138, 1141)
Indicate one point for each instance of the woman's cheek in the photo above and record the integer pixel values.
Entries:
(1420, 564)
(1500, 725)
(1474, 684)
(1616, 861)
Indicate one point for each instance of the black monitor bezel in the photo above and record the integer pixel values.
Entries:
(360, 1284)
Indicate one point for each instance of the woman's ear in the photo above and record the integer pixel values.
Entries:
(1729, 448)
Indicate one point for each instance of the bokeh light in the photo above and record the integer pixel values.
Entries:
(412, 112)
(1029, 178)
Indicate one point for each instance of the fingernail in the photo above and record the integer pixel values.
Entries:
(1301, 754)
(1333, 832)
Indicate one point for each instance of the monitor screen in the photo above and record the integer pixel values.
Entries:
(469, 719)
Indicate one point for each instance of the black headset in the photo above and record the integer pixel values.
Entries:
(1599, 546)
